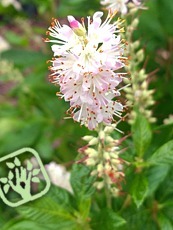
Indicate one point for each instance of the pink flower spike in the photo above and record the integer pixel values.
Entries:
(86, 66)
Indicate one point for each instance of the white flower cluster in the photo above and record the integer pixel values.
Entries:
(86, 66)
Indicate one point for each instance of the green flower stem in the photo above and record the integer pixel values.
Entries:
(108, 197)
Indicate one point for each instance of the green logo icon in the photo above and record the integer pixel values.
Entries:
(21, 182)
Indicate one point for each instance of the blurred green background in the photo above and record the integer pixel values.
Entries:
(30, 113)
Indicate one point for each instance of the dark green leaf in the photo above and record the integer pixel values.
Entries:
(141, 133)
(138, 219)
(107, 220)
(82, 184)
(48, 213)
(25, 136)
(23, 57)
(82, 181)
(163, 155)
(139, 189)
(156, 176)
(22, 224)
(164, 222)
(61, 196)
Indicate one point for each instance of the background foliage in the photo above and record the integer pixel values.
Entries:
(31, 115)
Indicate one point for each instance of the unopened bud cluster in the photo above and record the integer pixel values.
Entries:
(102, 153)
(138, 95)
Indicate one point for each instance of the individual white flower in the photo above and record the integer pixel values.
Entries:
(85, 66)
(59, 176)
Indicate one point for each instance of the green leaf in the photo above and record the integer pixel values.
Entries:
(35, 180)
(142, 135)
(15, 39)
(6, 188)
(48, 213)
(164, 222)
(82, 184)
(10, 175)
(107, 220)
(140, 219)
(17, 162)
(82, 181)
(26, 135)
(163, 155)
(10, 165)
(35, 172)
(16, 224)
(156, 176)
(19, 57)
(3, 180)
(139, 189)
(29, 165)
(62, 197)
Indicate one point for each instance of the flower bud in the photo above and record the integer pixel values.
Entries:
(106, 156)
(140, 55)
(99, 185)
(109, 139)
(90, 161)
(93, 141)
(114, 155)
(107, 167)
(135, 22)
(76, 26)
(144, 85)
(147, 113)
(87, 138)
(152, 119)
(102, 135)
(99, 167)
(128, 89)
(135, 44)
(93, 173)
(91, 152)
(108, 129)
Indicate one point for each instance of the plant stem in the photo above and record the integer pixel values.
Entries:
(108, 197)
(101, 146)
